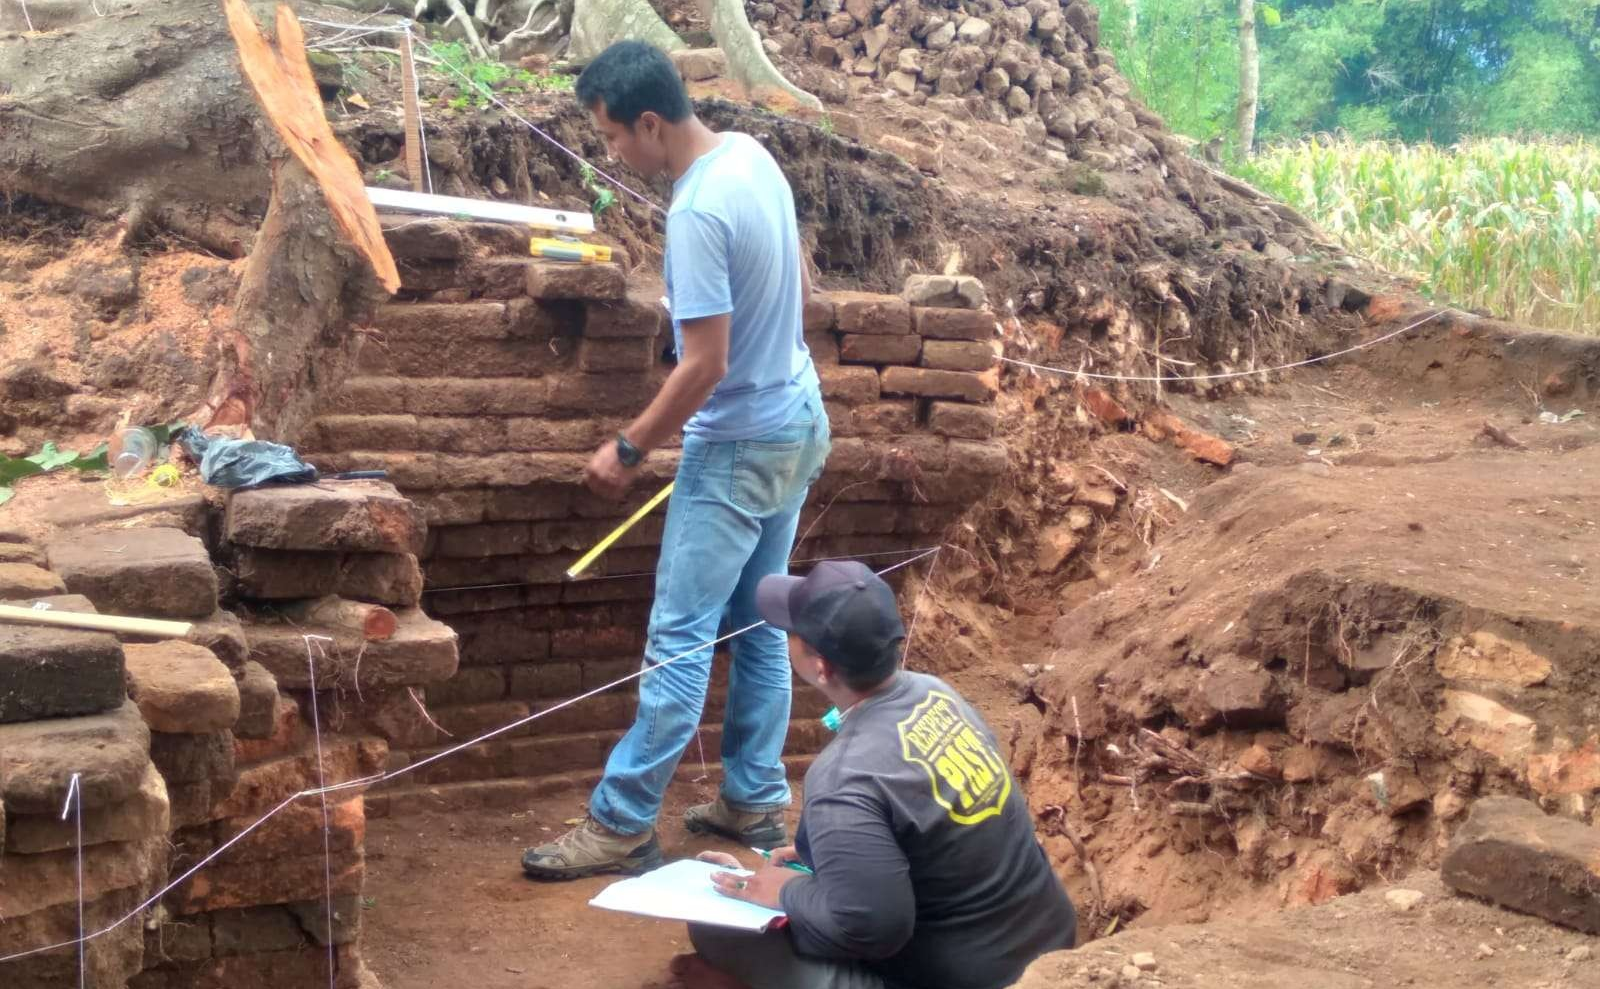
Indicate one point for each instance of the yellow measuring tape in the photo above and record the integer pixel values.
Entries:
(600, 547)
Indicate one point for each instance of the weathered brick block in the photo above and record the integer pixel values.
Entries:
(962, 421)
(874, 349)
(451, 507)
(421, 651)
(275, 574)
(25, 580)
(193, 758)
(510, 469)
(955, 324)
(367, 516)
(864, 312)
(591, 393)
(394, 579)
(365, 432)
(470, 685)
(928, 383)
(819, 315)
(856, 519)
(530, 503)
(1512, 853)
(57, 672)
(181, 687)
(885, 418)
(370, 396)
(603, 712)
(484, 539)
(464, 721)
(542, 320)
(258, 702)
(958, 355)
(907, 458)
(498, 278)
(556, 280)
(439, 322)
(503, 643)
(853, 385)
(637, 316)
(562, 753)
(544, 681)
(151, 572)
(617, 640)
(477, 396)
(616, 355)
(824, 348)
(422, 238)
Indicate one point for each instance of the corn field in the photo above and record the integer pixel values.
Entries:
(1509, 226)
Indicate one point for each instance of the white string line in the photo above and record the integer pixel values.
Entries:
(1233, 374)
(416, 91)
(75, 789)
(322, 782)
(24, 5)
(652, 573)
(386, 776)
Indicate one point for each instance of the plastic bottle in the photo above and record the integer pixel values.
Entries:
(132, 450)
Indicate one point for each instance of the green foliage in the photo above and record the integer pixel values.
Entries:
(14, 469)
(484, 76)
(1412, 70)
(1509, 226)
(604, 198)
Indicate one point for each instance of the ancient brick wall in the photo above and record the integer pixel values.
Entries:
(486, 387)
(182, 746)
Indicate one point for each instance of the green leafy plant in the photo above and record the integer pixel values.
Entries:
(604, 198)
(14, 469)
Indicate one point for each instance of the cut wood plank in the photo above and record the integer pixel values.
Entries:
(373, 622)
(99, 623)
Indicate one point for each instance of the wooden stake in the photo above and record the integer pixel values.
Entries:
(413, 113)
(99, 623)
(373, 622)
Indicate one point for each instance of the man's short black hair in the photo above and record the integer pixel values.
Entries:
(630, 78)
(867, 676)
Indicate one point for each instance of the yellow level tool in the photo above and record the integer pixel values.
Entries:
(569, 250)
(600, 547)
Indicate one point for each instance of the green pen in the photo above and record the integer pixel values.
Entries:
(794, 864)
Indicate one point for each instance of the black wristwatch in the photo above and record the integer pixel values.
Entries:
(628, 454)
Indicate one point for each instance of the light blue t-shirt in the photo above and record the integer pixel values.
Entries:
(732, 247)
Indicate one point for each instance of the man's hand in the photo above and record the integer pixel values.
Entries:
(784, 855)
(762, 888)
(605, 475)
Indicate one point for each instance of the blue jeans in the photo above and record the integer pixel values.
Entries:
(731, 521)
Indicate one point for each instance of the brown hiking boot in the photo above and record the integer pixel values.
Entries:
(755, 829)
(591, 849)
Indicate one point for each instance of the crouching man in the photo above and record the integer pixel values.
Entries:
(924, 869)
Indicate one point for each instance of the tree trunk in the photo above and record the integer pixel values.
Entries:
(137, 116)
(747, 60)
(597, 24)
(291, 339)
(1249, 77)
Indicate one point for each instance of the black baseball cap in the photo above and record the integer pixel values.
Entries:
(841, 609)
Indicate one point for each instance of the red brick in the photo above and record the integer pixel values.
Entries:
(465, 721)
(824, 348)
(477, 396)
(441, 321)
(558, 280)
(954, 324)
(819, 314)
(559, 753)
(498, 278)
(863, 312)
(503, 643)
(531, 503)
(545, 681)
(885, 418)
(958, 355)
(616, 355)
(637, 316)
(962, 421)
(610, 393)
(854, 385)
(867, 349)
(616, 640)
(543, 320)
(370, 396)
(472, 685)
(964, 385)
(484, 539)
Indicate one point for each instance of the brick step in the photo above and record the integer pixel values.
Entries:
(516, 794)
(510, 757)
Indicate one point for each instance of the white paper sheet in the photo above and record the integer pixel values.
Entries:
(683, 891)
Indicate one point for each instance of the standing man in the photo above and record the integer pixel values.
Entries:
(755, 436)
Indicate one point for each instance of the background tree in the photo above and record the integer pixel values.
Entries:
(1249, 78)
